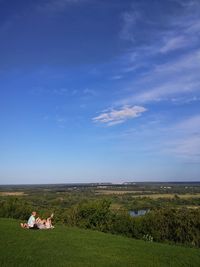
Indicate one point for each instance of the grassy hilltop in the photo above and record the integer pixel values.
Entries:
(73, 247)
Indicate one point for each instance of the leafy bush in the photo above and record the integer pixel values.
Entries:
(14, 208)
(93, 215)
(163, 224)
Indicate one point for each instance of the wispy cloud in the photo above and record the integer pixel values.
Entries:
(118, 116)
(189, 125)
(174, 43)
(61, 121)
(116, 77)
(179, 141)
(129, 20)
(183, 140)
(175, 34)
(185, 99)
(59, 92)
(186, 149)
(158, 74)
(166, 81)
(57, 5)
(89, 92)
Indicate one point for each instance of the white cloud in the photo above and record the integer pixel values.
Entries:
(176, 76)
(166, 81)
(114, 116)
(156, 136)
(186, 62)
(61, 91)
(166, 90)
(185, 100)
(190, 125)
(188, 3)
(183, 139)
(180, 140)
(174, 43)
(116, 77)
(129, 20)
(184, 32)
(180, 31)
(187, 149)
(56, 5)
(61, 121)
(88, 91)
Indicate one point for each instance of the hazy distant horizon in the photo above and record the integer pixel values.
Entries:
(111, 183)
(104, 90)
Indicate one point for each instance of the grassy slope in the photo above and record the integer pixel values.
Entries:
(74, 247)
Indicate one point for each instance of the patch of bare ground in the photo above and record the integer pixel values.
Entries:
(120, 192)
(12, 194)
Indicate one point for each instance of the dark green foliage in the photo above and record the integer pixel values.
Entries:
(14, 208)
(174, 225)
(162, 224)
(177, 225)
(93, 215)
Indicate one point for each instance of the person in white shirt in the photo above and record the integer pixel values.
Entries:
(31, 222)
(38, 223)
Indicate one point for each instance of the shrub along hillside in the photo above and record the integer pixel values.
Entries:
(163, 225)
(67, 246)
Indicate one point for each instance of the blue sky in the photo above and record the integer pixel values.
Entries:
(99, 91)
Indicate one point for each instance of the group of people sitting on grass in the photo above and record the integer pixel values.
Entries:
(38, 223)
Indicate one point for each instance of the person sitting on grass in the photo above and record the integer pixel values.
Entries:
(38, 223)
(31, 224)
(45, 223)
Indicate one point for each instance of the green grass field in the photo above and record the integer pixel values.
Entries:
(74, 247)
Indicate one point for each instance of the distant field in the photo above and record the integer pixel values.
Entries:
(12, 193)
(141, 194)
(184, 196)
(120, 192)
(72, 247)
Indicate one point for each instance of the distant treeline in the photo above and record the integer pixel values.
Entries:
(163, 225)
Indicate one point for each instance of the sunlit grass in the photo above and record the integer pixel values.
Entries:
(74, 247)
